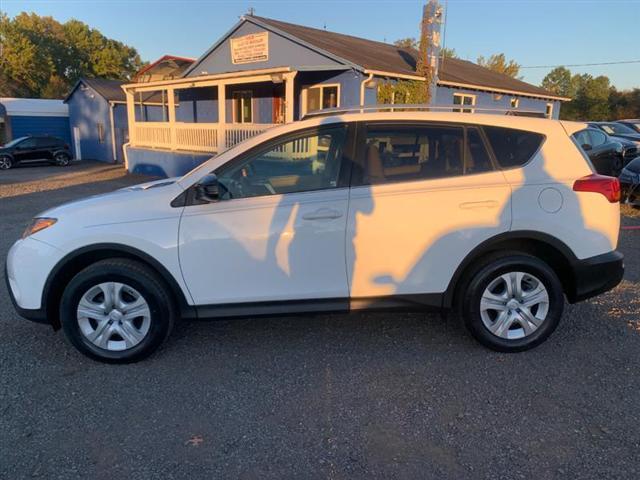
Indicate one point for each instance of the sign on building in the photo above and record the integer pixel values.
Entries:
(250, 48)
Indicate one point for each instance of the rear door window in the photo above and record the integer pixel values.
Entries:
(513, 148)
(398, 153)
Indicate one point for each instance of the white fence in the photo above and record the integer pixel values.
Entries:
(195, 137)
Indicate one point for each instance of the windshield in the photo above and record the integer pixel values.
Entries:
(15, 141)
(616, 128)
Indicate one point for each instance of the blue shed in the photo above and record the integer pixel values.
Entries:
(98, 118)
(20, 117)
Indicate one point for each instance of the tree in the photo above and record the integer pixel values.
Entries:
(41, 57)
(558, 81)
(448, 53)
(407, 43)
(498, 63)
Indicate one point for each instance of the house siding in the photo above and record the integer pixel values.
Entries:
(444, 96)
(282, 53)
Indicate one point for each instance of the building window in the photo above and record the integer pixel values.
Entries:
(464, 99)
(101, 132)
(549, 110)
(321, 97)
(242, 107)
(515, 102)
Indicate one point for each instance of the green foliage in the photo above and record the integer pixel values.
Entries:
(42, 57)
(448, 53)
(402, 91)
(498, 63)
(592, 98)
(406, 43)
(559, 82)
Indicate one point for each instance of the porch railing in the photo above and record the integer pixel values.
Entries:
(236, 133)
(196, 137)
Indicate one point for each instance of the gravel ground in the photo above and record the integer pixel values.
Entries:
(324, 396)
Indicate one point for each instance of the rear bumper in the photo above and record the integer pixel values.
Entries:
(596, 275)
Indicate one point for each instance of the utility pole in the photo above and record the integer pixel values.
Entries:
(429, 47)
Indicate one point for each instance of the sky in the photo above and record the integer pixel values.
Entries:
(532, 32)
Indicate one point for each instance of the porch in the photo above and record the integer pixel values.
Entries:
(208, 114)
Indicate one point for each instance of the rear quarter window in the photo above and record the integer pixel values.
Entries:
(513, 148)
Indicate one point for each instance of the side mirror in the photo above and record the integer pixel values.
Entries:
(586, 147)
(208, 189)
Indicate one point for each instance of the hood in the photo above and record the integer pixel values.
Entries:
(635, 137)
(142, 202)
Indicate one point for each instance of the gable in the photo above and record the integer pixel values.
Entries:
(282, 52)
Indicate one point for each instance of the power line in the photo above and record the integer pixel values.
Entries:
(625, 62)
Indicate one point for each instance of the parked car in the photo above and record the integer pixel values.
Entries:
(618, 131)
(606, 154)
(633, 124)
(32, 149)
(630, 182)
(499, 217)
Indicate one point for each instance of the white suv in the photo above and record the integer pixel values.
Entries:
(499, 216)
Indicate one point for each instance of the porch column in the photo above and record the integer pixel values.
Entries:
(131, 115)
(222, 117)
(289, 97)
(171, 106)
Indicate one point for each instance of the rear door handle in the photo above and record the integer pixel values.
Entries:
(322, 214)
(477, 205)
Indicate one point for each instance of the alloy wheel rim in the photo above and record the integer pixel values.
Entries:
(113, 316)
(61, 159)
(4, 163)
(514, 305)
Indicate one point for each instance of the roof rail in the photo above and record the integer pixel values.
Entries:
(421, 108)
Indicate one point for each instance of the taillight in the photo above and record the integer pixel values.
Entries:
(607, 186)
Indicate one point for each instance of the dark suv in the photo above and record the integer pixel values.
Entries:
(35, 149)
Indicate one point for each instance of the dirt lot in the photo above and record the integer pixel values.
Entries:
(325, 396)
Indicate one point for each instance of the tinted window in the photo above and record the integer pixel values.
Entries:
(44, 142)
(477, 158)
(28, 143)
(582, 138)
(513, 148)
(306, 163)
(597, 138)
(402, 153)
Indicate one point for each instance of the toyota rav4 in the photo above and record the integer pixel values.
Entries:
(499, 217)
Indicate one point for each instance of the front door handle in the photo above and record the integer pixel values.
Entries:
(477, 205)
(322, 214)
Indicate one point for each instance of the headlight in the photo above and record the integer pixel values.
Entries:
(37, 224)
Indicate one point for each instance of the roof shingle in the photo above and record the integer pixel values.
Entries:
(373, 55)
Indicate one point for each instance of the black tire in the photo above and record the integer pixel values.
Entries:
(489, 269)
(136, 275)
(5, 162)
(62, 159)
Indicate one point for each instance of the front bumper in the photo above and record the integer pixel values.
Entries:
(38, 315)
(596, 275)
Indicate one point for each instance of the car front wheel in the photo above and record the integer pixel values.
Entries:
(512, 302)
(117, 311)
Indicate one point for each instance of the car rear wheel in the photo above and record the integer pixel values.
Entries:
(5, 163)
(62, 159)
(512, 302)
(117, 311)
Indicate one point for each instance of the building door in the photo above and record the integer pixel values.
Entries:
(278, 104)
(76, 143)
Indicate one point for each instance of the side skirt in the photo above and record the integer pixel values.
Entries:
(415, 302)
